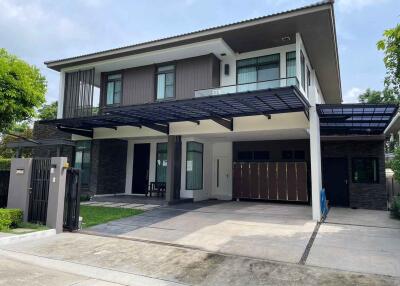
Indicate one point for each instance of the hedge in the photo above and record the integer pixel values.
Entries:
(10, 218)
(395, 209)
(5, 164)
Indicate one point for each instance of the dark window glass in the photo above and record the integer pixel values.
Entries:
(299, 155)
(365, 170)
(308, 79)
(303, 71)
(291, 68)
(114, 89)
(287, 155)
(261, 155)
(245, 156)
(194, 166)
(264, 68)
(82, 161)
(161, 162)
(165, 82)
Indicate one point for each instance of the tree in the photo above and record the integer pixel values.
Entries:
(48, 111)
(390, 44)
(375, 96)
(22, 90)
(21, 129)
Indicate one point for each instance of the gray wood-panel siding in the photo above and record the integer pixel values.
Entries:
(196, 73)
(138, 84)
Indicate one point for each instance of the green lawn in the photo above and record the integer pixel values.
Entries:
(94, 215)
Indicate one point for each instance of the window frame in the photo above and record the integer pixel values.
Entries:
(257, 65)
(106, 87)
(156, 81)
(202, 166)
(157, 152)
(353, 170)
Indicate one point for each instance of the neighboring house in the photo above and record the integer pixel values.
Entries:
(249, 110)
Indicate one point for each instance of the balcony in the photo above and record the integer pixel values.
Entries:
(249, 87)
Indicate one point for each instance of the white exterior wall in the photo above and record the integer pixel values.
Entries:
(61, 95)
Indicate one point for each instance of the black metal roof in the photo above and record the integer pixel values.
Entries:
(349, 119)
(220, 108)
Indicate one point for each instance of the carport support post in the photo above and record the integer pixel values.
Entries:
(173, 168)
(19, 186)
(55, 204)
(315, 154)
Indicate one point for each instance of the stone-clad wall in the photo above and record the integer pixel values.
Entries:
(108, 166)
(367, 196)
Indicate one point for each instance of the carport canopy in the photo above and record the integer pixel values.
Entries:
(220, 108)
(355, 119)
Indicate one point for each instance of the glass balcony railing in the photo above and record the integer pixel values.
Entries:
(247, 87)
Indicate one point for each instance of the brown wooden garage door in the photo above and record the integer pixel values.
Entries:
(283, 181)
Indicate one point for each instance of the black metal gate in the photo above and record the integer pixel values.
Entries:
(39, 190)
(72, 200)
(4, 181)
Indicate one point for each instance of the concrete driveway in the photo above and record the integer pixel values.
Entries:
(259, 230)
(358, 240)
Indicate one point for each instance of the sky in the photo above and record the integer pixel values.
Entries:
(41, 30)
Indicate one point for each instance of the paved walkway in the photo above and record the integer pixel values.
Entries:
(109, 204)
(70, 258)
(358, 240)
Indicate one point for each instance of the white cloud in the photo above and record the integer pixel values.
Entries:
(352, 94)
(353, 5)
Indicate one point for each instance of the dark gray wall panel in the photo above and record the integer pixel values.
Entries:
(138, 85)
(196, 73)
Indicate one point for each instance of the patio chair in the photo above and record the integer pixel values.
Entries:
(157, 187)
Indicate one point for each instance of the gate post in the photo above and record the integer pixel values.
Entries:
(55, 205)
(19, 186)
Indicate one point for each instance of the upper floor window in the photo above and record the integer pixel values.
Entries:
(303, 70)
(264, 68)
(114, 89)
(308, 79)
(291, 68)
(166, 82)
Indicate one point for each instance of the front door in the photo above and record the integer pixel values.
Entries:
(141, 160)
(222, 182)
(335, 179)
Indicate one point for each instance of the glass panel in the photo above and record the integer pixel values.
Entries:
(247, 62)
(268, 72)
(291, 64)
(169, 91)
(303, 76)
(114, 76)
(269, 59)
(82, 161)
(161, 163)
(110, 92)
(169, 79)
(246, 75)
(166, 68)
(365, 170)
(161, 86)
(117, 92)
(194, 166)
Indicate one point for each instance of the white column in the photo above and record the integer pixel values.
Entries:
(129, 168)
(61, 95)
(315, 152)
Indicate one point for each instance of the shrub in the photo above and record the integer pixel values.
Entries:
(5, 164)
(395, 208)
(85, 198)
(10, 218)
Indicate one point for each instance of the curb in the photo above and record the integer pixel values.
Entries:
(27, 236)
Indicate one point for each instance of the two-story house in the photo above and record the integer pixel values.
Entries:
(249, 110)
